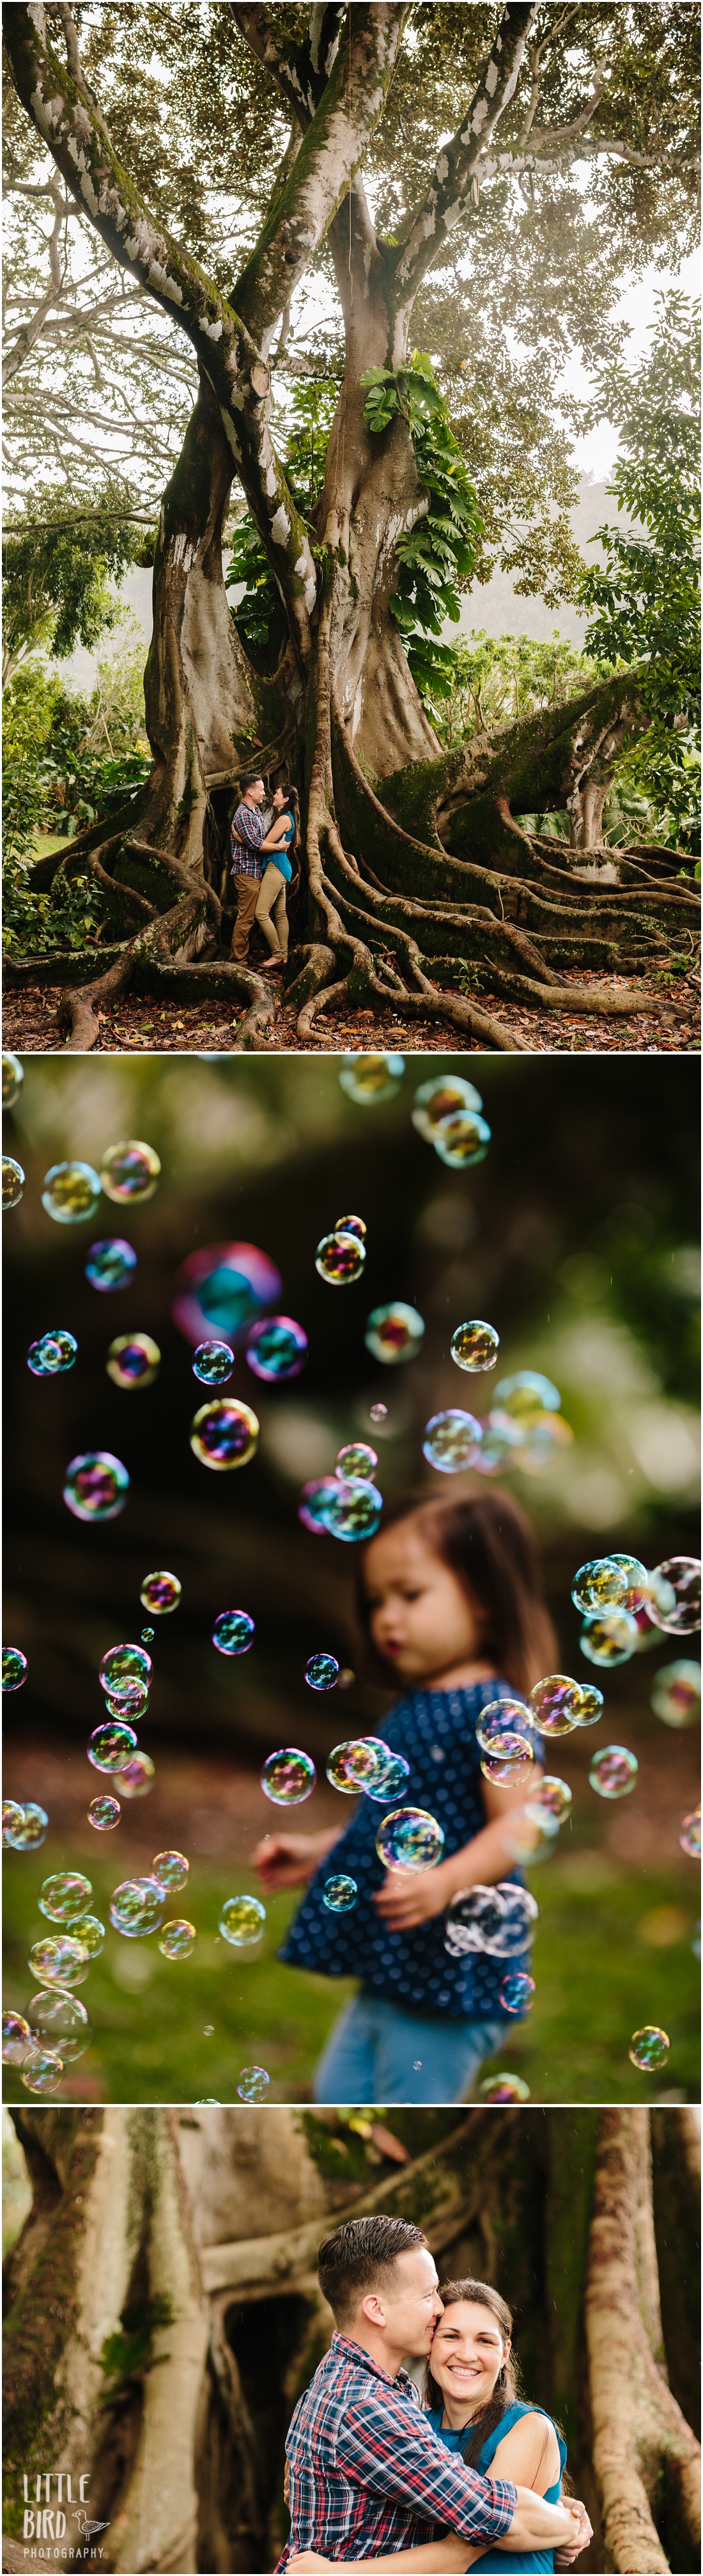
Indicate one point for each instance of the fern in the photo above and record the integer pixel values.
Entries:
(439, 553)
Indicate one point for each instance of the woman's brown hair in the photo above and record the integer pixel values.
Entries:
(507, 2384)
(491, 1550)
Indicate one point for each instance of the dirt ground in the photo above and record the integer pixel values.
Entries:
(137, 1024)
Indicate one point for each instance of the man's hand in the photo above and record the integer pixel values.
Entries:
(287, 1860)
(410, 1896)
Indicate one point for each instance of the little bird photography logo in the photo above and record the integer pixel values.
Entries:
(57, 2526)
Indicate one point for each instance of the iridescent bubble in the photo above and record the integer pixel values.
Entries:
(206, 2102)
(59, 2021)
(123, 1665)
(409, 1839)
(502, 1766)
(12, 1183)
(110, 1263)
(356, 1460)
(133, 1360)
(222, 1290)
(498, 1920)
(684, 1575)
(42, 2071)
(177, 1939)
(394, 1333)
(129, 1172)
(501, 1441)
(312, 1508)
(340, 1259)
(339, 1893)
(64, 1895)
(350, 1225)
(59, 1959)
(233, 1632)
(505, 1743)
(277, 1349)
(451, 1440)
(442, 1098)
(632, 1569)
(32, 1829)
(213, 1362)
(475, 1346)
(288, 1776)
(504, 2088)
(648, 2047)
(359, 1763)
(676, 1696)
(590, 1706)
(136, 1776)
(170, 1869)
(555, 1704)
(12, 1814)
(160, 1593)
(346, 1677)
(502, 1717)
(378, 1413)
(52, 1354)
(550, 1797)
(12, 1080)
(253, 2084)
(110, 1746)
(224, 1434)
(516, 1993)
(690, 1835)
(613, 1771)
(321, 1672)
(91, 1932)
(242, 1921)
(462, 1139)
(147, 1636)
(368, 1078)
(393, 1779)
(96, 1486)
(610, 1640)
(14, 1668)
(103, 1813)
(539, 1440)
(16, 2038)
(130, 1701)
(136, 1907)
(599, 1585)
(71, 1192)
(353, 1511)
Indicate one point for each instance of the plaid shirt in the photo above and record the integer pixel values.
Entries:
(247, 825)
(367, 2473)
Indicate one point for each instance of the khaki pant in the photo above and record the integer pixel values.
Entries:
(272, 900)
(247, 889)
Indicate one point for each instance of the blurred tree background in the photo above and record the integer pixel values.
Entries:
(576, 1238)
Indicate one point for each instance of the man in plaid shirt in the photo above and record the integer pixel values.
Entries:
(366, 2472)
(247, 830)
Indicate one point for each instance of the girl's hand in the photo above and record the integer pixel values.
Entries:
(287, 1860)
(410, 1896)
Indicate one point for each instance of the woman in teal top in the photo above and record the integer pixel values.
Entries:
(276, 852)
(530, 2559)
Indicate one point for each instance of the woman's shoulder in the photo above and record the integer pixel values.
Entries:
(515, 2414)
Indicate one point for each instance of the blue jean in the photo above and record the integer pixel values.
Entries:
(377, 2054)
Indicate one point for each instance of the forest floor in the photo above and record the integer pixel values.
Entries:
(198, 1028)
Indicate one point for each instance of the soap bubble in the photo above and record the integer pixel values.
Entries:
(12, 1080)
(91, 1932)
(110, 1746)
(123, 1665)
(632, 1569)
(96, 1486)
(222, 1290)
(12, 1183)
(31, 1831)
(442, 1098)
(603, 1583)
(611, 1639)
(648, 2047)
(206, 2101)
(368, 1078)
(52, 1354)
(392, 1780)
(277, 1349)
(497, 1920)
(502, 1717)
(502, 1766)
(462, 1139)
(64, 1895)
(16, 2038)
(359, 1763)
(356, 1460)
(103, 1813)
(501, 1440)
(676, 1696)
(613, 1771)
(213, 1362)
(288, 1776)
(550, 1799)
(136, 1776)
(131, 1701)
(339, 1893)
(177, 1939)
(253, 2084)
(690, 1835)
(504, 2088)
(160, 1593)
(340, 1259)
(353, 1511)
(590, 1706)
(475, 1346)
(321, 1672)
(378, 1413)
(233, 1632)
(129, 1172)
(59, 1959)
(133, 1360)
(170, 1869)
(350, 1225)
(110, 1263)
(314, 1498)
(136, 1907)
(526, 1395)
(516, 1993)
(394, 1333)
(12, 1814)
(451, 1440)
(242, 1921)
(409, 1839)
(509, 1744)
(683, 1573)
(14, 1668)
(147, 1636)
(59, 2021)
(346, 1677)
(224, 1434)
(555, 1704)
(42, 2071)
(71, 1192)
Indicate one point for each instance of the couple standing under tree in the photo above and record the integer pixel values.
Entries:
(262, 869)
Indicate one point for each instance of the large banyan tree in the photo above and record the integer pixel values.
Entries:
(163, 2312)
(571, 153)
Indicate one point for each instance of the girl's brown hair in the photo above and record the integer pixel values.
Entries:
(507, 2384)
(491, 1550)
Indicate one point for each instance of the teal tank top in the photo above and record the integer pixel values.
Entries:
(529, 2562)
(280, 855)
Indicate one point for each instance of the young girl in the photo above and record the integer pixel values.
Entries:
(450, 1600)
(271, 899)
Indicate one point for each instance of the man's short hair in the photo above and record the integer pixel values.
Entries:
(360, 2257)
(253, 779)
